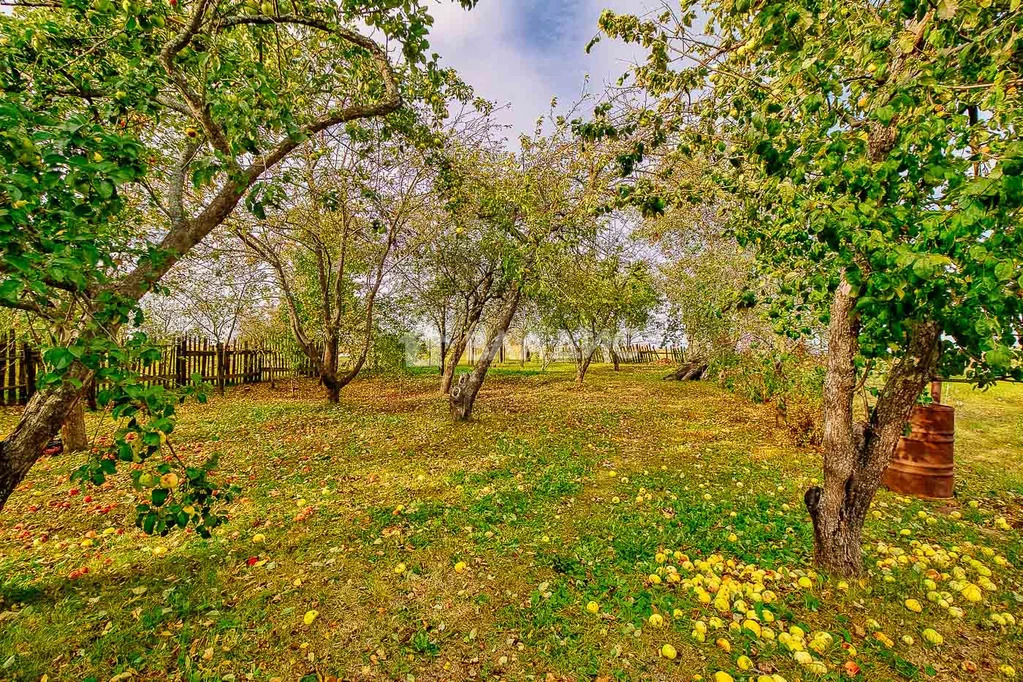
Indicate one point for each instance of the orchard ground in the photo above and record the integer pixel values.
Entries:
(377, 540)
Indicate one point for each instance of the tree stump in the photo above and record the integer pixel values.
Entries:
(689, 371)
(461, 408)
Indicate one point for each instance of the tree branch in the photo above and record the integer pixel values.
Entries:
(190, 232)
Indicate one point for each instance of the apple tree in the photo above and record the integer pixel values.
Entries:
(593, 289)
(130, 132)
(531, 205)
(352, 208)
(871, 151)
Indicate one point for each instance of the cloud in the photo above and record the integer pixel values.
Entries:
(524, 52)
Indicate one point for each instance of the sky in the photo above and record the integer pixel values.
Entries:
(523, 52)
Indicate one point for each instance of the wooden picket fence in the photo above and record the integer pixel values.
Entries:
(238, 363)
(18, 365)
(634, 354)
(640, 354)
(230, 364)
(221, 364)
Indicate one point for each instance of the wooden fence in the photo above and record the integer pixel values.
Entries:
(638, 354)
(222, 364)
(229, 364)
(18, 365)
(238, 363)
(634, 354)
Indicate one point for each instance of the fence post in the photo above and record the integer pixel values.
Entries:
(253, 354)
(204, 360)
(30, 371)
(12, 369)
(246, 363)
(259, 364)
(181, 377)
(220, 367)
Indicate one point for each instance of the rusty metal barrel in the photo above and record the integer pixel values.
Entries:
(923, 464)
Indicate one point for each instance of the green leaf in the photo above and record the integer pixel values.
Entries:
(884, 115)
(160, 496)
(999, 359)
(58, 358)
(149, 523)
(923, 268)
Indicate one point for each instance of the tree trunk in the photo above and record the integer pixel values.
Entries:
(328, 370)
(856, 455)
(90, 394)
(456, 349)
(583, 364)
(463, 395)
(332, 388)
(455, 352)
(614, 357)
(73, 432)
(45, 412)
(447, 375)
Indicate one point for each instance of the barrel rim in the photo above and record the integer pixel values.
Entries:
(941, 407)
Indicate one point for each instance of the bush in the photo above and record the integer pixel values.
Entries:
(792, 380)
(390, 352)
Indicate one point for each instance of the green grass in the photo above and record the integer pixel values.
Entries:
(525, 496)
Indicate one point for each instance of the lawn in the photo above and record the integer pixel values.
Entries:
(377, 540)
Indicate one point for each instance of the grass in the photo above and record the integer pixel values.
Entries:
(555, 496)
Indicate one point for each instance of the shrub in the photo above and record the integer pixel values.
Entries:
(792, 380)
(390, 352)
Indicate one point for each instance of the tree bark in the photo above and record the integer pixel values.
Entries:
(581, 360)
(463, 395)
(328, 370)
(456, 349)
(584, 364)
(73, 433)
(45, 412)
(615, 360)
(455, 352)
(90, 394)
(475, 304)
(690, 371)
(442, 328)
(331, 389)
(856, 454)
(837, 533)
